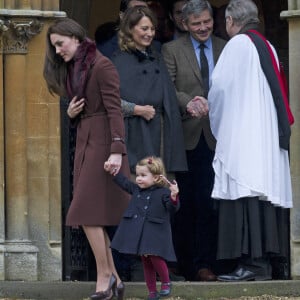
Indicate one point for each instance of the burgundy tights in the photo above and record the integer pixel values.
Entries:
(154, 264)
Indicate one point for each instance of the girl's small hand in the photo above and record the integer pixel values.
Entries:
(174, 190)
(75, 107)
(164, 178)
(106, 166)
(113, 164)
(172, 186)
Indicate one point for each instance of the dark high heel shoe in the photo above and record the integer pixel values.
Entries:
(99, 296)
(109, 293)
(119, 291)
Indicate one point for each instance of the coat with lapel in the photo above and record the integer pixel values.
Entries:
(145, 227)
(183, 67)
(97, 201)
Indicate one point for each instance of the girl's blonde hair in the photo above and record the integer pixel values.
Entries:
(131, 18)
(156, 167)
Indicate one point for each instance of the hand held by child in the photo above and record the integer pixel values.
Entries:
(113, 164)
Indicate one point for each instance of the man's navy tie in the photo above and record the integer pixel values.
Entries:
(204, 69)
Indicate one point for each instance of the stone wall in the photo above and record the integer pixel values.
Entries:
(30, 201)
(293, 17)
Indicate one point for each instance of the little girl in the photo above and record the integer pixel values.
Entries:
(145, 229)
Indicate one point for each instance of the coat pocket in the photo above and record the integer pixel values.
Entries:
(129, 215)
(156, 220)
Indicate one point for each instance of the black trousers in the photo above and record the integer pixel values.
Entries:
(195, 224)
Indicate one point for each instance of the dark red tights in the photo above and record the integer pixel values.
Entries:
(152, 265)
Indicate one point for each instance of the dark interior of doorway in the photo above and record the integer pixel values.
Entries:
(78, 261)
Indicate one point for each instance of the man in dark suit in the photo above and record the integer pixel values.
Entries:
(195, 225)
(175, 15)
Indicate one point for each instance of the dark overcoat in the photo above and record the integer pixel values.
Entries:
(145, 227)
(96, 198)
(144, 80)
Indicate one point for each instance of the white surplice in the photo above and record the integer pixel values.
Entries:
(248, 160)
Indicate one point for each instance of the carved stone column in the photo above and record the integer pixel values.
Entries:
(30, 229)
(293, 18)
(18, 246)
(2, 201)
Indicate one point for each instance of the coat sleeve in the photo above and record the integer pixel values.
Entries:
(109, 83)
(175, 160)
(171, 64)
(124, 183)
(170, 205)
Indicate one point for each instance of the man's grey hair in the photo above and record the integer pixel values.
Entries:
(195, 7)
(242, 12)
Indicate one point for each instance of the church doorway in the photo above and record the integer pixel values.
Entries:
(78, 262)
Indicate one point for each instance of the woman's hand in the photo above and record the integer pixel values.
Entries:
(113, 163)
(145, 111)
(75, 107)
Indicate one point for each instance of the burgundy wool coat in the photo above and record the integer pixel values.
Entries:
(96, 198)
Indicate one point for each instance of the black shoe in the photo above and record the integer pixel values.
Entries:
(109, 293)
(239, 274)
(119, 291)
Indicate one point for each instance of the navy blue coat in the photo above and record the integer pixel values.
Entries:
(145, 227)
(145, 80)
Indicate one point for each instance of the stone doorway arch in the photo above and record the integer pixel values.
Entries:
(77, 258)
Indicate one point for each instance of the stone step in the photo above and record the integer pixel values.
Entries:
(67, 290)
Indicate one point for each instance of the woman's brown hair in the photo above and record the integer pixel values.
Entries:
(131, 18)
(55, 68)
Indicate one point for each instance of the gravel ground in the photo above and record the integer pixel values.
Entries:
(263, 297)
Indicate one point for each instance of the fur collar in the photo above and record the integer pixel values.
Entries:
(79, 67)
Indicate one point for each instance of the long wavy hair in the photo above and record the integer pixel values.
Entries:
(55, 68)
(131, 18)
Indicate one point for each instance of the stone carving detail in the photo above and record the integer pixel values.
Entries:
(15, 35)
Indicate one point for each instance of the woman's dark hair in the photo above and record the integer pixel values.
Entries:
(55, 68)
(105, 31)
(124, 4)
(131, 18)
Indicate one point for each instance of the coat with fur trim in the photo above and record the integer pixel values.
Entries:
(96, 199)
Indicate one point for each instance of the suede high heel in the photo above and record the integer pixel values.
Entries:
(119, 291)
(109, 293)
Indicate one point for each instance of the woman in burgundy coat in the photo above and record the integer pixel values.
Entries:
(74, 69)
